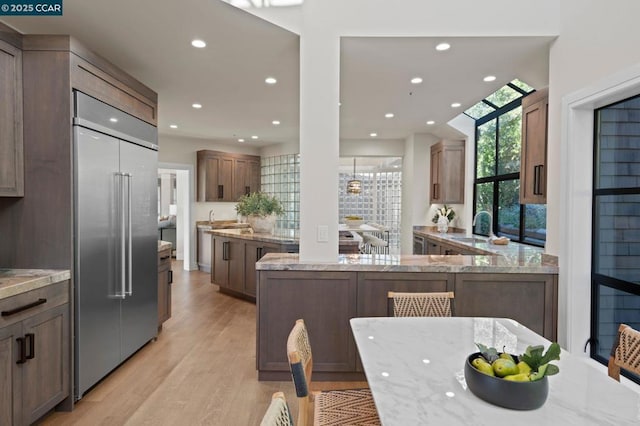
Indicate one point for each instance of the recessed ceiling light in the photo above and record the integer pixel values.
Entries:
(240, 140)
(198, 43)
(196, 106)
(455, 105)
(489, 78)
(431, 122)
(254, 137)
(389, 115)
(113, 120)
(270, 80)
(443, 46)
(416, 80)
(373, 135)
(173, 126)
(275, 122)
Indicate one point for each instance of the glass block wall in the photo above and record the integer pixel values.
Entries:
(280, 176)
(379, 202)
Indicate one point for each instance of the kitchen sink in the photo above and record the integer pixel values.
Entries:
(469, 239)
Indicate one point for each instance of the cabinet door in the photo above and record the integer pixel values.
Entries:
(436, 161)
(252, 253)
(220, 261)
(164, 287)
(431, 247)
(46, 372)
(236, 265)
(530, 299)
(534, 153)
(373, 288)
(254, 176)
(11, 147)
(452, 174)
(326, 301)
(10, 375)
(240, 178)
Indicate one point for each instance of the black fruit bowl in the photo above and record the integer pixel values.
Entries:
(505, 393)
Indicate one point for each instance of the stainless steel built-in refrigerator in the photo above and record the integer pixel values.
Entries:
(115, 276)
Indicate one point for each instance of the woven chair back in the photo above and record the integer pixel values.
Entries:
(625, 352)
(300, 358)
(277, 413)
(436, 304)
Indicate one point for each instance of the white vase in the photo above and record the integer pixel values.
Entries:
(443, 224)
(262, 224)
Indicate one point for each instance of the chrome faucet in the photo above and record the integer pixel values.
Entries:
(211, 214)
(490, 221)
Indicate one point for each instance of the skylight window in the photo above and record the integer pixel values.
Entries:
(501, 97)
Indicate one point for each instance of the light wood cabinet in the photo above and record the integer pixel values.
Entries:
(35, 346)
(226, 176)
(165, 278)
(533, 154)
(11, 143)
(447, 172)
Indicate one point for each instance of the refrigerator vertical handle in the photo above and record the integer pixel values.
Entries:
(129, 292)
(123, 254)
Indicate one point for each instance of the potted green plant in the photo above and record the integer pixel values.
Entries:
(261, 211)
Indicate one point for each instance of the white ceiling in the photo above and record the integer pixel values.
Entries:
(152, 43)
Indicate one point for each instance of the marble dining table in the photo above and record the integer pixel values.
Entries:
(415, 369)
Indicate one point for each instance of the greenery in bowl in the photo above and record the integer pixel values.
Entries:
(260, 204)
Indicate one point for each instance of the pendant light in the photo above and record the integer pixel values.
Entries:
(354, 186)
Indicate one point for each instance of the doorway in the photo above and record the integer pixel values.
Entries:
(175, 198)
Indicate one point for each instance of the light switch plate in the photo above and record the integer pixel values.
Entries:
(323, 233)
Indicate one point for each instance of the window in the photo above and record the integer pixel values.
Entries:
(280, 177)
(497, 176)
(615, 285)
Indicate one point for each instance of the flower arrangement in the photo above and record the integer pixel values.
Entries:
(446, 212)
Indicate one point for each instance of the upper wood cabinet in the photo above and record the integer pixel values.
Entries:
(11, 145)
(533, 155)
(447, 172)
(224, 176)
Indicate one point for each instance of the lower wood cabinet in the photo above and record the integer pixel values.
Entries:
(34, 354)
(165, 278)
(227, 265)
(327, 300)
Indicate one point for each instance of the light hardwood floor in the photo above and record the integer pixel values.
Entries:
(200, 371)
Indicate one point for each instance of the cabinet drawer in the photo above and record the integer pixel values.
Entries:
(55, 295)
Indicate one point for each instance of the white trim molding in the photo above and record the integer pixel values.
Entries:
(576, 155)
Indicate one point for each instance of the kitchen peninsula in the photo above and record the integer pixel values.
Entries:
(234, 253)
(521, 283)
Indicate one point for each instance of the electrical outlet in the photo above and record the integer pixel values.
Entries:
(323, 233)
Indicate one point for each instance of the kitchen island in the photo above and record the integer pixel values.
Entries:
(327, 295)
(234, 253)
(35, 339)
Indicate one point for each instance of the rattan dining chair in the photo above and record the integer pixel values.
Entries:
(354, 407)
(277, 413)
(625, 352)
(434, 304)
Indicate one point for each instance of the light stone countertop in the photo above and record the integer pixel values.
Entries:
(481, 245)
(163, 245)
(280, 236)
(17, 281)
(532, 263)
(220, 224)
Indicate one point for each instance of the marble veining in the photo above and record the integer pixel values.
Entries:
(17, 281)
(415, 369)
(516, 263)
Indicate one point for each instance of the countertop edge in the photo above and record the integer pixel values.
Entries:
(33, 280)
